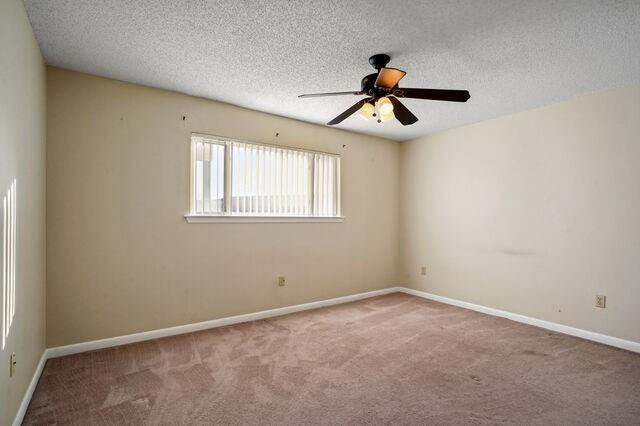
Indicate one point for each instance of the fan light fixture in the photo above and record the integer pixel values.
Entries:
(384, 106)
(387, 117)
(367, 111)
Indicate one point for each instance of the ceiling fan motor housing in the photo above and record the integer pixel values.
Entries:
(369, 88)
(368, 83)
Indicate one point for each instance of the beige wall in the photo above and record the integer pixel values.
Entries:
(122, 259)
(22, 157)
(533, 213)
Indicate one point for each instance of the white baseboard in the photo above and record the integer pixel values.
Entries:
(188, 328)
(30, 389)
(560, 328)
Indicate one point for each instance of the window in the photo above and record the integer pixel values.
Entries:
(9, 216)
(247, 180)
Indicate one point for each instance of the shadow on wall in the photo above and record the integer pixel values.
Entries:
(8, 261)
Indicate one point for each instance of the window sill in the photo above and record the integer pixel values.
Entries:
(262, 219)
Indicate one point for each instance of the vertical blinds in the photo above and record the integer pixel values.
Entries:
(269, 180)
(325, 185)
(240, 178)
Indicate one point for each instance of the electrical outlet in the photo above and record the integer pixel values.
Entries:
(281, 281)
(601, 301)
(12, 364)
(423, 270)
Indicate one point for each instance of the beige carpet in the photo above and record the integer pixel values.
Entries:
(395, 359)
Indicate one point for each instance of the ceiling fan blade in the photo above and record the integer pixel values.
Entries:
(388, 78)
(317, 95)
(348, 112)
(433, 94)
(403, 115)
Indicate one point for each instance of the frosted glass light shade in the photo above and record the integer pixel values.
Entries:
(366, 111)
(387, 117)
(385, 106)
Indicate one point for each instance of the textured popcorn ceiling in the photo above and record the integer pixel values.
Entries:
(511, 55)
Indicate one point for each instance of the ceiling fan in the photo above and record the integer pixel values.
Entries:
(382, 91)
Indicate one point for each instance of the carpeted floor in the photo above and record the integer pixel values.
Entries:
(390, 359)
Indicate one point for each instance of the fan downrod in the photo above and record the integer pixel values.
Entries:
(379, 60)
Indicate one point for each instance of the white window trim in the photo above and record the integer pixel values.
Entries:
(190, 218)
(229, 218)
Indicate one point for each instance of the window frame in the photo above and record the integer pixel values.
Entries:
(226, 216)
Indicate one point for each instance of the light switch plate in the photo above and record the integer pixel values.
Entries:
(601, 301)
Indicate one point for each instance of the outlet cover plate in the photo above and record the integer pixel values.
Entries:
(601, 301)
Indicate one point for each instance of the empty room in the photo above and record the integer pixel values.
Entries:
(320, 212)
